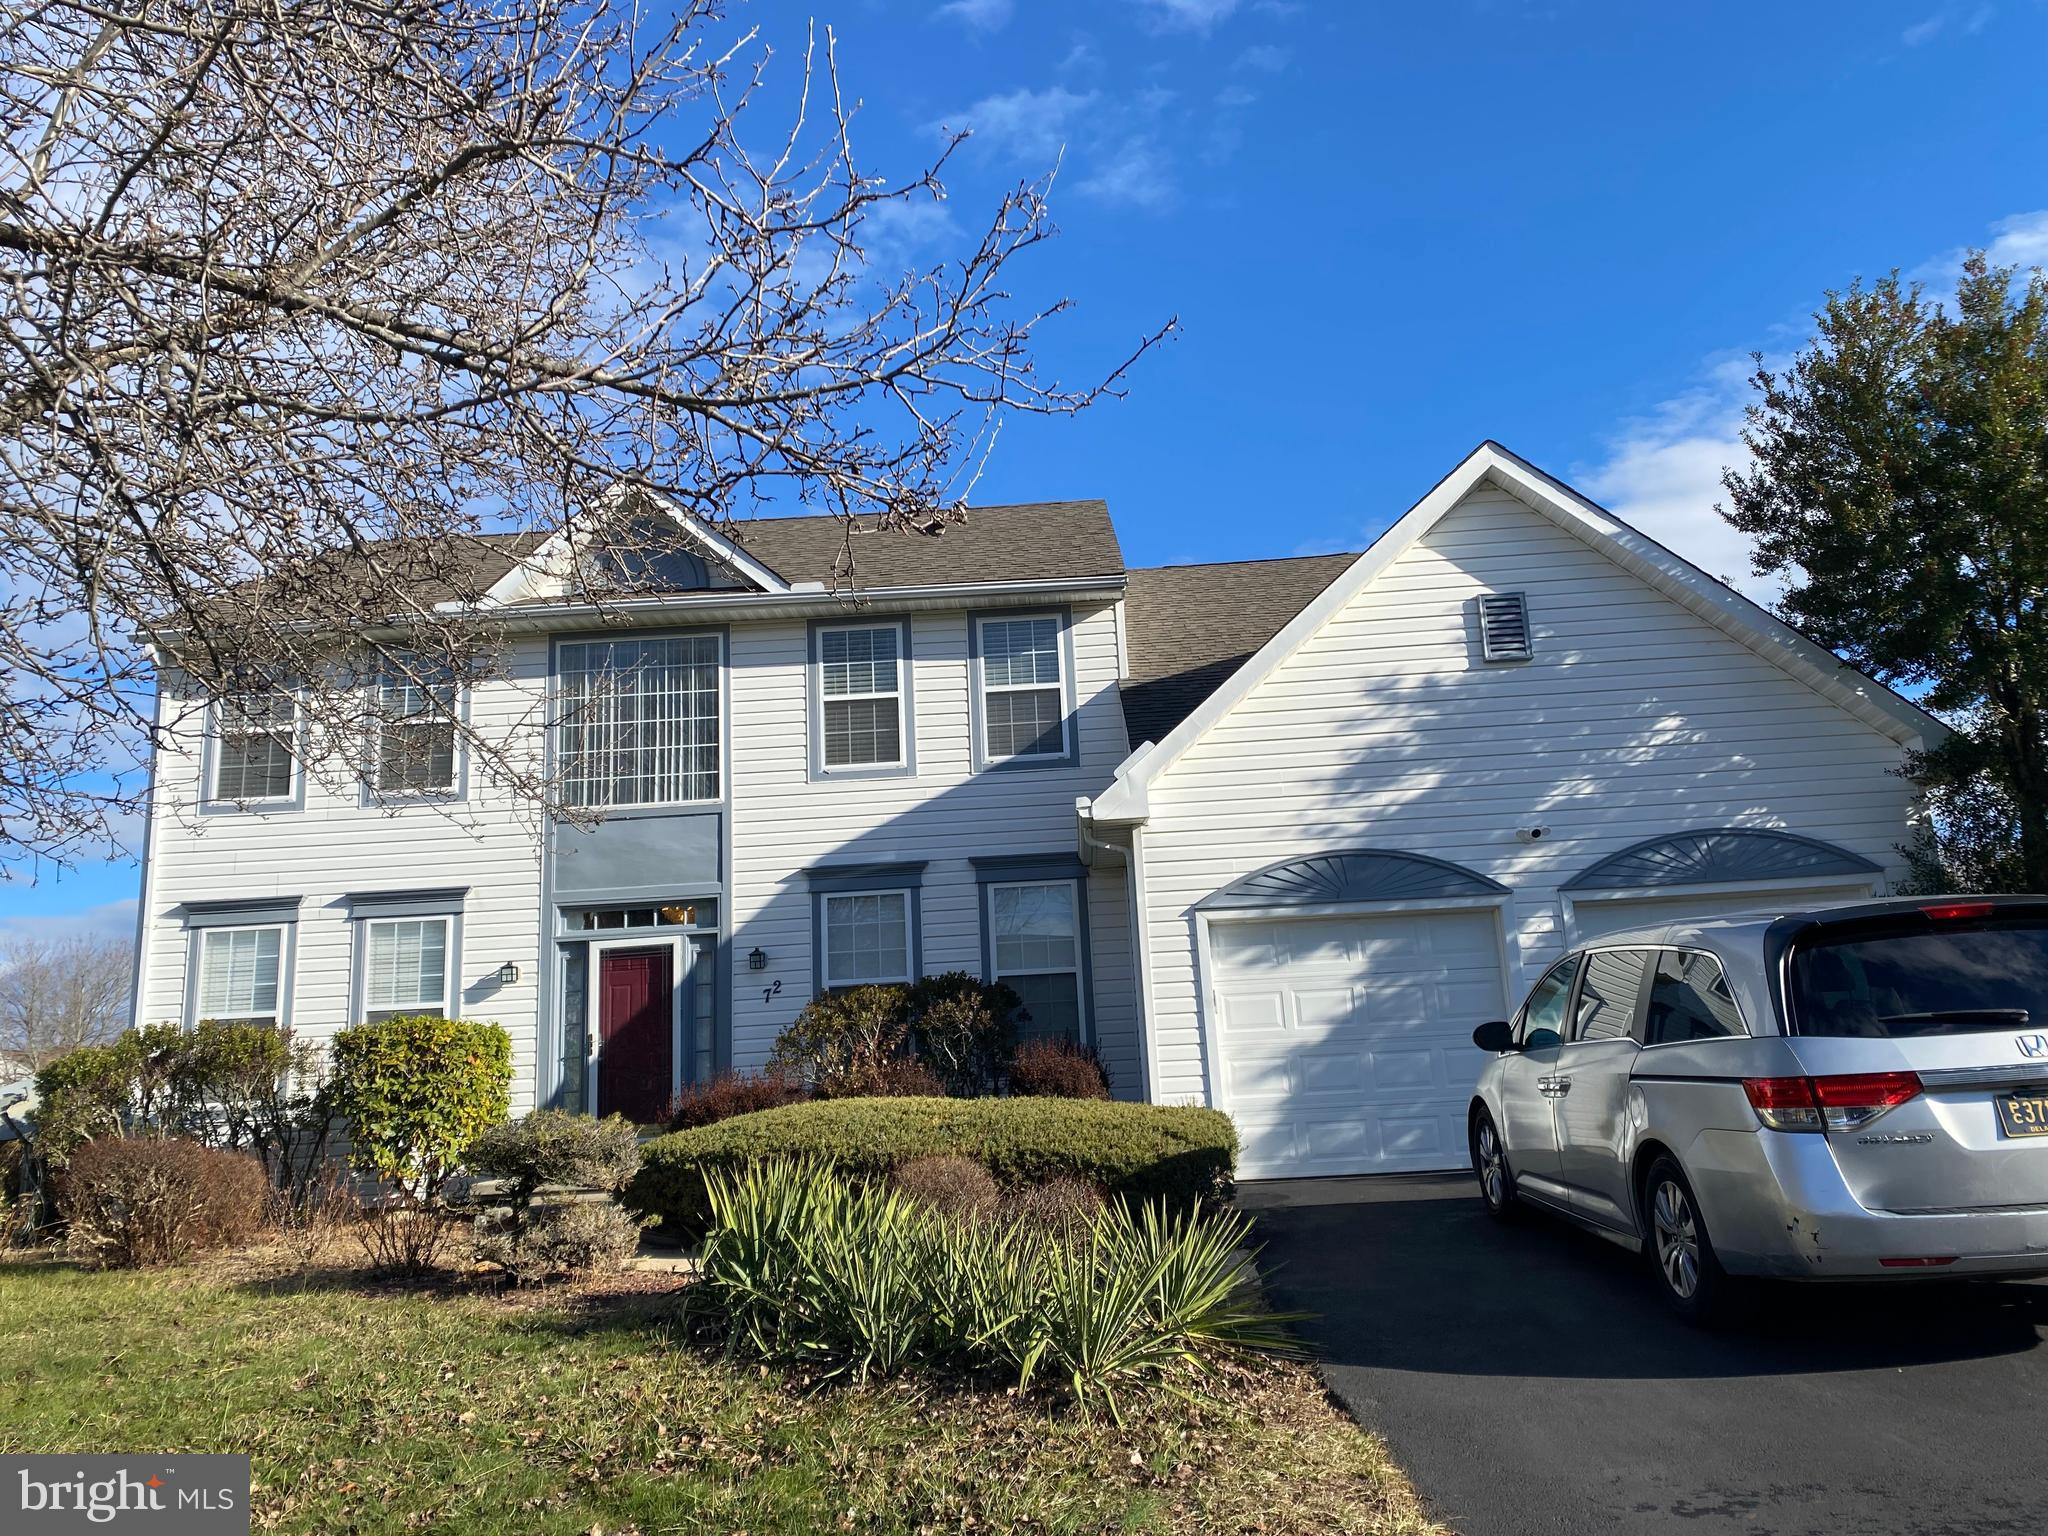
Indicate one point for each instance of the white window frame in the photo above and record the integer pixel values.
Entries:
(985, 690)
(825, 900)
(900, 695)
(218, 734)
(203, 936)
(1083, 1022)
(366, 937)
(435, 716)
(722, 763)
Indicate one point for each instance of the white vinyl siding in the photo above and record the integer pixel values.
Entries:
(253, 756)
(866, 937)
(786, 817)
(860, 677)
(405, 966)
(1035, 943)
(1023, 688)
(1632, 717)
(639, 721)
(340, 845)
(241, 974)
(415, 736)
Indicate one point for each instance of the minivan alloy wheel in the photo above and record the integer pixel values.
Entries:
(1678, 1239)
(1493, 1167)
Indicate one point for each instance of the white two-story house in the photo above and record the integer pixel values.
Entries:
(1271, 835)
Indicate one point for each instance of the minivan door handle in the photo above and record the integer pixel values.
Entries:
(1560, 1086)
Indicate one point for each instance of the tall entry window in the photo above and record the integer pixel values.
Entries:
(639, 721)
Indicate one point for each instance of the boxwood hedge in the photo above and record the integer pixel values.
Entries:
(1137, 1151)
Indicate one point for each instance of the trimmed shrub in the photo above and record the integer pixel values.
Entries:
(844, 1277)
(952, 1186)
(1058, 1069)
(734, 1093)
(1061, 1205)
(901, 1078)
(224, 1084)
(550, 1146)
(575, 1237)
(844, 1039)
(964, 1029)
(417, 1093)
(135, 1202)
(1177, 1154)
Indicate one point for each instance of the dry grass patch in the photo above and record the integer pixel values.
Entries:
(373, 1409)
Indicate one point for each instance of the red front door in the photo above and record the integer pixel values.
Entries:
(636, 1035)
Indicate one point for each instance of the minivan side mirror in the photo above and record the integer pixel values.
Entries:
(1497, 1035)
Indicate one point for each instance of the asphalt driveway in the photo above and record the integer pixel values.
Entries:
(1530, 1382)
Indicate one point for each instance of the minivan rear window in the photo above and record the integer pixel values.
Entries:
(1913, 979)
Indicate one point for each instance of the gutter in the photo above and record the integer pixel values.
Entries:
(807, 600)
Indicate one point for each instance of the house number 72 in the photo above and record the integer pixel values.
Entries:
(768, 993)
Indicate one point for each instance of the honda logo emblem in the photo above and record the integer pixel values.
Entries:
(2033, 1047)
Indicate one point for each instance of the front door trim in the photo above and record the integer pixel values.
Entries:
(593, 1035)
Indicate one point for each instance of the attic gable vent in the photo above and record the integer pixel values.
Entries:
(1504, 627)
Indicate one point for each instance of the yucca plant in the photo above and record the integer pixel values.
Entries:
(853, 1279)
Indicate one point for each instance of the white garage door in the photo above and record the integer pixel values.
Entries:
(1344, 1044)
(1591, 917)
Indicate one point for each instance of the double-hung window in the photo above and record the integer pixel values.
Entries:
(866, 937)
(860, 693)
(1035, 943)
(415, 734)
(639, 721)
(253, 748)
(406, 966)
(1023, 689)
(241, 975)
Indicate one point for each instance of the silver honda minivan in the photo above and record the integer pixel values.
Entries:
(1850, 1093)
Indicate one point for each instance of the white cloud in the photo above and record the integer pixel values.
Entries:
(1187, 15)
(1931, 27)
(1234, 96)
(1265, 58)
(1662, 471)
(1134, 173)
(981, 15)
(1025, 124)
(112, 919)
(1924, 31)
(1662, 474)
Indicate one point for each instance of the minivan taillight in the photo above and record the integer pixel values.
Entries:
(1845, 1102)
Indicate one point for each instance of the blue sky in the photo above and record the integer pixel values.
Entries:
(1392, 231)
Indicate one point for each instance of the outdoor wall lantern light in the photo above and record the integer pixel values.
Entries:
(756, 960)
(507, 974)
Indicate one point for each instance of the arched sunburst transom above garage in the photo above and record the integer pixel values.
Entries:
(1353, 875)
(1721, 855)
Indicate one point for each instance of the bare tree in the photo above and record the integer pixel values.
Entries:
(59, 994)
(306, 301)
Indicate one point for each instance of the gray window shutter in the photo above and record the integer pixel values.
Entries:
(1504, 627)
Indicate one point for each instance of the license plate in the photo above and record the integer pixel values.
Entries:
(2023, 1114)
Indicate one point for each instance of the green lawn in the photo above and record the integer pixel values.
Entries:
(368, 1410)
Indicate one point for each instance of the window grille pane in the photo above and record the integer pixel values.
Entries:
(858, 660)
(867, 938)
(406, 965)
(238, 972)
(1015, 653)
(1025, 723)
(253, 755)
(639, 721)
(861, 731)
(1053, 1002)
(416, 744)
(1034, 928)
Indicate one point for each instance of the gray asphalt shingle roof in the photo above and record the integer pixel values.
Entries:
(1189, 627)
